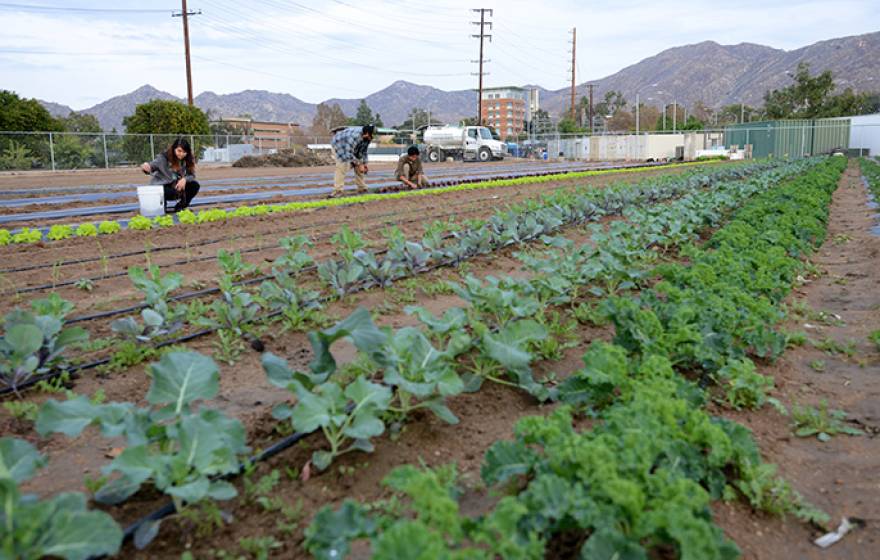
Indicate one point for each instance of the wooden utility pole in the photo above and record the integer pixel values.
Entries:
(573, 66)
(185, 15)
(481, 36)
(590, 87)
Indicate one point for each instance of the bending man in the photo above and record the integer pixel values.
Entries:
(350, 151)
(409, 170)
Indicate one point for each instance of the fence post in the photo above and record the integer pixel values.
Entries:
(52, 151)
(106, 161)
(152, 147)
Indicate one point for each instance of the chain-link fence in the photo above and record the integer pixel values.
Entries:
(67, 150)
(74, 150)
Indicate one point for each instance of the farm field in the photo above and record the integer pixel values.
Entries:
(597, 366)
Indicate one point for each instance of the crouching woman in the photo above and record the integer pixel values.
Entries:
(175, 169)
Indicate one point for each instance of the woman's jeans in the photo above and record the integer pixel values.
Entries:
(189, 193)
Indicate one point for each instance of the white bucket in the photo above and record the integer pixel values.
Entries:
(152, 200)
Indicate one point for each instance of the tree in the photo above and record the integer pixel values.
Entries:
(166, 117)
(81, 122)
(165, 120)
(327, 117)
(25, 115)
(613, 102)
(810, 97)
(364, 114)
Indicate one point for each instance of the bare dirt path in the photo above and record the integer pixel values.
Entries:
(840, 476)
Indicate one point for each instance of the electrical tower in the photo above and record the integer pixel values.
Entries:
(184, 13)
(481, 36)
(573, 67)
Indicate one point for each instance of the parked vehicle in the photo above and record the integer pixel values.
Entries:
(462, 143)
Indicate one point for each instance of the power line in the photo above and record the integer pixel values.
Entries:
(36, 8)
(260, 40)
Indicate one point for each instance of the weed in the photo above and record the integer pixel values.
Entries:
(818, 365)
(439, 288)
(129, 354)
(95, 484)
(767, 492)
(822, 422)
(259, 547)
(874, 337)
(590, 314)
(22, 410)
(833, 347)
(206, 516)
(85, 284)
(793, 339)
(54, 385)
(228, 346)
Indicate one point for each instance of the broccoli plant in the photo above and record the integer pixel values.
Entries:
(284, 295)
(234, 266)
(295, 257)
(33, 342)
(60, 527)
(156, 288)
(180, 449)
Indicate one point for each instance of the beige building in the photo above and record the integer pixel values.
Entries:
(265, 135)
(507, 109)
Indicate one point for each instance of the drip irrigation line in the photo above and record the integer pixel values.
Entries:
(364, 286)
(220, 185)
(282, 445)
(52, 286)
(203, 243)
(209, 202)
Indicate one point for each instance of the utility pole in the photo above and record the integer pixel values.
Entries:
(590, 88)
(481, 36)
(185, 15)
(573, 67)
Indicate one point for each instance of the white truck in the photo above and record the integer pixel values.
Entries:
(468, 142)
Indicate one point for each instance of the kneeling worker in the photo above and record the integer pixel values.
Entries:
(409, 170)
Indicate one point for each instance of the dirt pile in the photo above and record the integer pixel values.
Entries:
(287, 158)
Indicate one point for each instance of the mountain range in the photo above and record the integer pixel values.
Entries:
(708, 72)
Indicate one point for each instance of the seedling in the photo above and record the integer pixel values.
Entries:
(822, 422)
(818, 366)
(85, 284)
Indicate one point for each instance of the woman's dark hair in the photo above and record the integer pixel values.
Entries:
(412, 151)
(189, 161)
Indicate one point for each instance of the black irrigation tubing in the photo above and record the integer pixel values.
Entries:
(196, 244)
(234, 183)
(52, 286)
(305, 189)
(367, 285)
(211, 202)
(322, 181)
(205, 242)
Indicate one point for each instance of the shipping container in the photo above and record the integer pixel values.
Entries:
(790, 138)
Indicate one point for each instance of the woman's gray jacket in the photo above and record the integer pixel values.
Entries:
(162, 174)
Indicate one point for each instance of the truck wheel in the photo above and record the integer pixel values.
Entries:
(435, 155)
(485, 154)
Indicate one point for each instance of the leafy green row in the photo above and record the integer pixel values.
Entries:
(640, 482)
(180, 450)
(107, 227)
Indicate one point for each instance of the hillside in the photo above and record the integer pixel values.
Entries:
(709, 72)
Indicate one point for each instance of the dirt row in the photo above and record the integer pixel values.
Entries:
(191, 249)
(487, 416)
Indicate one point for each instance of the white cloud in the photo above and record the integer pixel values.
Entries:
(351, 48)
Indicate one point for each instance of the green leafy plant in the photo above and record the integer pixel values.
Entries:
(108, 227)
(85, 284)
(28, 235)
(33, 342)
(177, 448)
(820, 422)
(140, 223)
(86, 230)
(234, 267)
(58, 232)
(60, 527)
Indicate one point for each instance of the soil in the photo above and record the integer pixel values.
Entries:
(839, 476)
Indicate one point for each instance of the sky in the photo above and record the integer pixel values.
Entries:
(82, 52)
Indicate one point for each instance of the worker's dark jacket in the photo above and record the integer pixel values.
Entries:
(404, 164)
